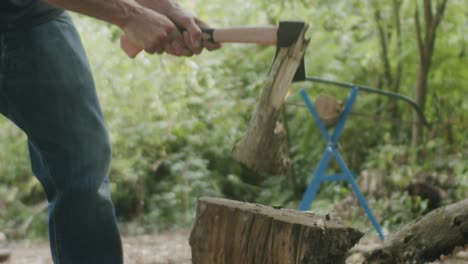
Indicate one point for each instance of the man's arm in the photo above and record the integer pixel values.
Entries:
(191, 40)
(185, 20)
(145, 28)
(181, 18)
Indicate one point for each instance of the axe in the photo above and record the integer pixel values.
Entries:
(282, 36)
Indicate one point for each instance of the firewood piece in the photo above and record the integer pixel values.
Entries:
(227, 231)
(328, 109)
(4, 254)
(261, 149)
(426, 239)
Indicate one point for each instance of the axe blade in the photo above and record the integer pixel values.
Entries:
(283, 36)
(288, 33)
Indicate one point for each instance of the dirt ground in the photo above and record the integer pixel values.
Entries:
(163, 248)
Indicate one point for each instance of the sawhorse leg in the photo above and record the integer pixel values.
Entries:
(317, 178)
(331, 151)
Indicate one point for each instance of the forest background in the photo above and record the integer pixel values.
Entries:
(174, 121)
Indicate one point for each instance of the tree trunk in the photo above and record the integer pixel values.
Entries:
(395, 114)
(390, 78)
(264, 146)
(421, 93)
(426, 43)
(227, 231)
(427, 238)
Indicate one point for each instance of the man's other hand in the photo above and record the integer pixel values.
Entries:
(149, 31)
(191, 26)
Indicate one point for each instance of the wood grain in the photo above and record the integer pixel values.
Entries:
(232, 232)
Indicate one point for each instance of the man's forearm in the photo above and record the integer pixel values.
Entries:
(149, 25)
(160, 6)
(116, 12)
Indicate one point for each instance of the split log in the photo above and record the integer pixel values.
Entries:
(264, 149)
(227, 231)
(426, 239)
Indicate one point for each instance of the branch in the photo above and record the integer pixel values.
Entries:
(439, 14)
(431, 34)
(418, 34)
(384, 45)
(399, 67)
(428, 13)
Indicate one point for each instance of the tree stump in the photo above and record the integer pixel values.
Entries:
(227, 231)
(426, 239)
(263, 148)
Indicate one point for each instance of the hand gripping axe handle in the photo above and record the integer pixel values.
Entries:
(282, 36)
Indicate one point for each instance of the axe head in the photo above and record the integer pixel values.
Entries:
(288, 33)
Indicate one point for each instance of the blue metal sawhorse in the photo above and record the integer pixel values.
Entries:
(332, 151)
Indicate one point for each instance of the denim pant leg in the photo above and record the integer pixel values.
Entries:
(46, 89)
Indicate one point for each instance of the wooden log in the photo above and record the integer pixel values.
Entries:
(227, 231)
(261, 149)
(328, 109)
(426, 239)
(5, 252)
(4, 255)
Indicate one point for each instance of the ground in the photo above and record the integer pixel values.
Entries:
(163, 248)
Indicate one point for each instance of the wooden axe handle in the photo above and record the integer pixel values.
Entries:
(263, 35)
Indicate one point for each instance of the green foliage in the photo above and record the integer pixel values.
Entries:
(400, 209)
(173, 121)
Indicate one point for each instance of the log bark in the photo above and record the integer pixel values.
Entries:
(227, 231)
(264, 149)
(426, 239)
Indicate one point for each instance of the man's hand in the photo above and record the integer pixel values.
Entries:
(209, 45)
(191, 25)
(186, 42)
(148, 31)
(144, 28)
(186, 21)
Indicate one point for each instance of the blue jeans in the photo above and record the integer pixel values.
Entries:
(47, 90)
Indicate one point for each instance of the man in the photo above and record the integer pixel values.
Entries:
(47, 90)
